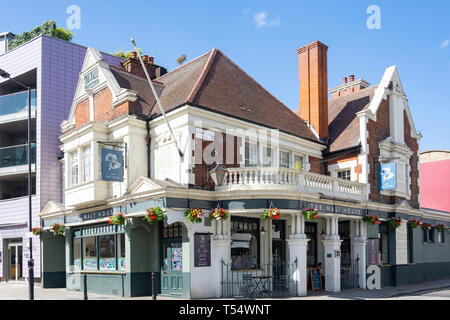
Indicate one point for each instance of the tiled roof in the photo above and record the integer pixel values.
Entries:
(213, 82)
(343, 124)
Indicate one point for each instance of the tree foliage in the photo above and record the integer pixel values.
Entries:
(47, 28)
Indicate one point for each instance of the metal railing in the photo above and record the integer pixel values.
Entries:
(16, 102)
(268, 280)
(16, 155)
(350, 274)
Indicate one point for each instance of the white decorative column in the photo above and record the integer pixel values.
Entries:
(297, 246)
(332, 246)
(220, 249)
(359, 243)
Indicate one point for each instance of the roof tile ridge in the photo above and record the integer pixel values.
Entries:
(184, 65)
(203, 75)
(136, 77)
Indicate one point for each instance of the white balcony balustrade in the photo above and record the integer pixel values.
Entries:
(266, 178)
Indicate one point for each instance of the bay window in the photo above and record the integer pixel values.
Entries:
(74, 167)
(87, 171)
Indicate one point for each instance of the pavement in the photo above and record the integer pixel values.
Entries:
(19, 291)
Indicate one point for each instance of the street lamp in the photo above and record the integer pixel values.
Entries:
(6, 75)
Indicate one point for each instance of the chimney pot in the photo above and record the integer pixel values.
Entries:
(150, 60)
(134, 54)
(344, 80)
(351, 77)
(145, 57)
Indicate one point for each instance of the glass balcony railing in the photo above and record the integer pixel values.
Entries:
(17, 102)
(16, 155)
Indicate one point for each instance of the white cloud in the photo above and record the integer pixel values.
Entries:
(261, 20)
(444, 44)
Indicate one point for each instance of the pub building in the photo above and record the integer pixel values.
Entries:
(230, 147)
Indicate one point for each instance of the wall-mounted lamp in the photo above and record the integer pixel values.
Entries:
(218, 174)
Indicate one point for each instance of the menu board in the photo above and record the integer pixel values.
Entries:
(202, 250)
(316, 280)
(372, 250)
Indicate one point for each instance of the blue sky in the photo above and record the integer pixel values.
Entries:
(262, 38)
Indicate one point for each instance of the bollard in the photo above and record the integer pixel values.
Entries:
(85, 297)
(153, 286)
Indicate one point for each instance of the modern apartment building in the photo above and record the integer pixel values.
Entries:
(50, 67)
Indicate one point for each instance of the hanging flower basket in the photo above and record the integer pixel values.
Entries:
(394, 223)
(154, 214)
(439, 227)
(58, 229)
(372, 220)
(118, 219)
(218, 214)
(194, 215)
(36, 231)
(426, 226)
(310, 214)
(271, 213)
(413, 223)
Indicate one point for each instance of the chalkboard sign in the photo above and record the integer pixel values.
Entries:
(202, 250)
(372, 250)
(316, 279)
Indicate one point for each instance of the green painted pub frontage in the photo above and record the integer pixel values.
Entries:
(120, 259)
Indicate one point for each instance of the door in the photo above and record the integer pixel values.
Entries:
(15, 261)
(172, 268)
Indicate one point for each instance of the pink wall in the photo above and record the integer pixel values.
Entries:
(435, 185)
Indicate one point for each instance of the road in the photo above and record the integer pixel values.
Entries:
(443, 294)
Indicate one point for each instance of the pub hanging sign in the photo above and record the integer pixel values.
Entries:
(387, 176)
(112, 165)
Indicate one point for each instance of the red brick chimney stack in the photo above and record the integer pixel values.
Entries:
(344, 80)
(351, 77)
(133, 65)
(313, 85)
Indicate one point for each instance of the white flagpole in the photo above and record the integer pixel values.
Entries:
(156, 96)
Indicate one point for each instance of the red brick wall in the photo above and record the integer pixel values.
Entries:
(316, 165)
(103, 110)
(229, 159)
(82, 113)
(378, 131)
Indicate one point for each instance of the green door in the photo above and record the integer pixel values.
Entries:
(172, 268)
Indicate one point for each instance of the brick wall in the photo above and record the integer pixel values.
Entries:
(82, 113)
(200, 170)
(413, 144)
(103, 110)
(378, 131)
(316, 165)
